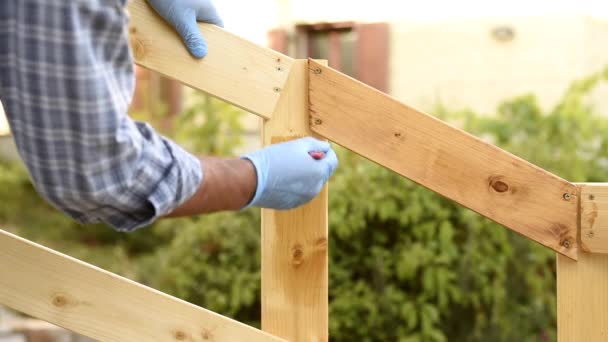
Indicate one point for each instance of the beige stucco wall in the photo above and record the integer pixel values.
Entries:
(444, 50)
(461, 64)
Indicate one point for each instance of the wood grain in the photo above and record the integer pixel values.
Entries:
(582, 298)
(294, 242)
(594, 217)
(447, 160)
(95, 303)
(235, 70)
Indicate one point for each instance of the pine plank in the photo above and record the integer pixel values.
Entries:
(295, 242)
(95, 303)
(582, 298)
(445, 159)
(235, 70)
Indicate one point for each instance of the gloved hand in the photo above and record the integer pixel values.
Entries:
(183, 15)
(288, 175)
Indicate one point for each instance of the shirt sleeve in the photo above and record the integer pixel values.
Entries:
(66, 81)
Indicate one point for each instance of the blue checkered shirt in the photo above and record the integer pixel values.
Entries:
(66, 81)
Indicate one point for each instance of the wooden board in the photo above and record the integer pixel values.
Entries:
(235, 70)
(594, 217)
(294, 242)
(95, 303)
(582, 298)
(447, 160)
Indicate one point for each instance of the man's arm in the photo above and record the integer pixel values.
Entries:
(281, 176)
(229, 184)
(66, 80)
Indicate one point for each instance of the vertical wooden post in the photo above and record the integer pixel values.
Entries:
(294, 242)
(582, 286)
(582, 298)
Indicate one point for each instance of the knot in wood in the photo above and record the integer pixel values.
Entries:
(297, 255)
(180, 335)
(321, 243)
(207, 335)
(59, 300)
(139, 50)
(498, 185)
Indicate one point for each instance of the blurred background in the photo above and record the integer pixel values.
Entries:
(405, 264)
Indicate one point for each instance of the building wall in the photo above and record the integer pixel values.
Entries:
(445, 51)
(462, 64)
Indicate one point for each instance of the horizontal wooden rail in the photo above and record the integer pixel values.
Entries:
(447, 160)
(235, 70)
(101, 305)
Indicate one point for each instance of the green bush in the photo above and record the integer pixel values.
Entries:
(405, 263)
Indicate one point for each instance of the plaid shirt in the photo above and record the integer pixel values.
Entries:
(66, 81)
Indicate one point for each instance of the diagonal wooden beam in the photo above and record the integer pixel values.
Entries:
(95, 303)
(235, 70)
(445, 159)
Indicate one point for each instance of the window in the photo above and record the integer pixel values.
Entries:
(334, 42)
(356, 49)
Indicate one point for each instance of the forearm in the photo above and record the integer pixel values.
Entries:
(228, 184)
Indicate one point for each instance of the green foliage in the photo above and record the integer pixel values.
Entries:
(216, 132)
(406, 264)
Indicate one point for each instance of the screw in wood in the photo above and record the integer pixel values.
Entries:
(591, 197)
(567, 196)
(276, 89)
(567, 243)
(317, 71)
(318, 121)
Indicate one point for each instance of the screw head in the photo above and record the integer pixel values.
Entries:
(276, 89)
(591, 197)
(567, 196)
(567, 243)
(317, 71)
(318, 121)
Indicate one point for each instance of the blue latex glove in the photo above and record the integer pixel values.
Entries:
(183, 15)
(288, 176)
